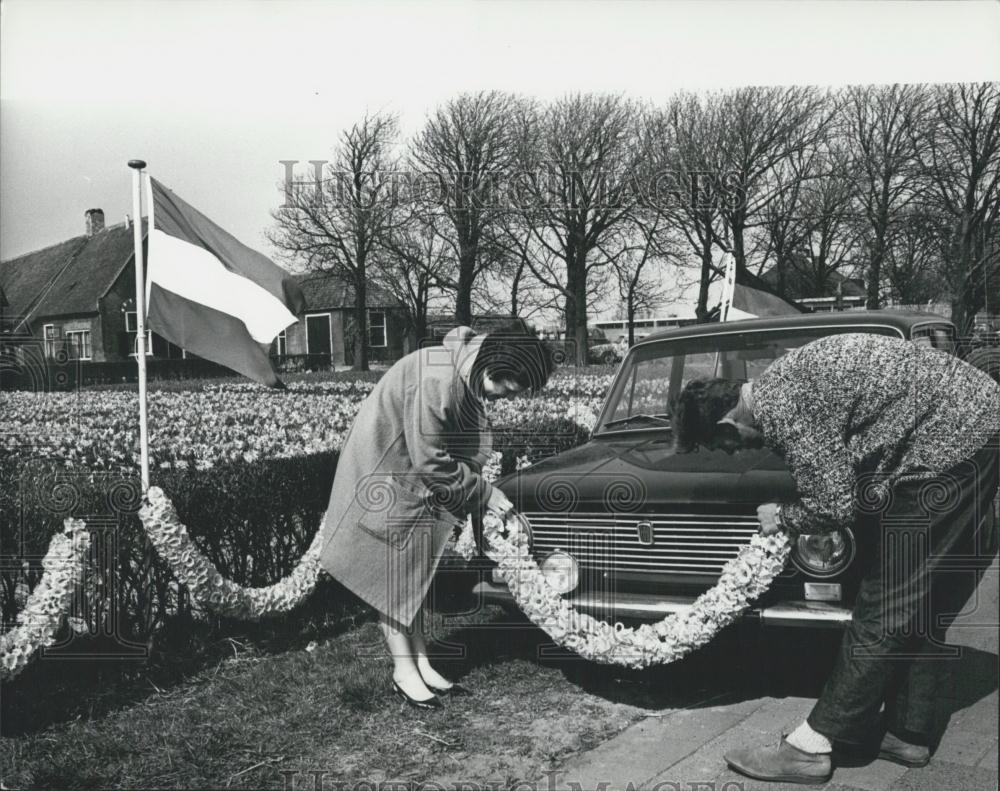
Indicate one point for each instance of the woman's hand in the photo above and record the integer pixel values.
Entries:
(767, 515)
(499, 502)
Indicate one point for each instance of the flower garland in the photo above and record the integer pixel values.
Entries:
(743, 579)
(47, 604)
(206, 585)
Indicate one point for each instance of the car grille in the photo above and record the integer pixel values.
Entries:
(681, 543)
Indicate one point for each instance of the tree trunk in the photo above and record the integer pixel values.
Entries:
(514, 288)
(630, 317)
(463, 298)
(361, 321)
(701, 311)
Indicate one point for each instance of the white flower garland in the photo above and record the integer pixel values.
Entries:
(206, 585)
(743, 579)
(47, 604)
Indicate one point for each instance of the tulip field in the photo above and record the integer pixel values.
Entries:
(234, 422)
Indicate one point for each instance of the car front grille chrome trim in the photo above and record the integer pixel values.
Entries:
(660, 543)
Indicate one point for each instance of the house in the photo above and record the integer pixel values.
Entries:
(837, 292)
(76, 299)
(326, 327)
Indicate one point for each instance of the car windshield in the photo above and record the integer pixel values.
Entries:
(654, 374)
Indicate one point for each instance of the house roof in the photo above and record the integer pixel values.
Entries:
(798, 286)
(325, 291)
(66, 278)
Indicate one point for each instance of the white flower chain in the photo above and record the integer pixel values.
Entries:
(48, 603)
(743, 579)
(206, 585)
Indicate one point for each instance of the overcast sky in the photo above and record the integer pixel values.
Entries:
(213, 94)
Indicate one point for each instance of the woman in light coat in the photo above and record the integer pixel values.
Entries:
(409, 473)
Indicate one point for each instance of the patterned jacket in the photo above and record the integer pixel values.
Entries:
(868, 405)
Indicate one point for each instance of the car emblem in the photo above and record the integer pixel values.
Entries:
(645, 531)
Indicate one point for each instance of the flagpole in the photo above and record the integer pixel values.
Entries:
(137, 166)
(729, 288)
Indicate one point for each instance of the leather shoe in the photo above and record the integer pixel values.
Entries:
(454, 691)
(783, 763)
(433, 702)
(896, 750)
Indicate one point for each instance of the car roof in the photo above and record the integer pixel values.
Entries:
(897, 319)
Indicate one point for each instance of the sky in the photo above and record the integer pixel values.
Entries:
(214, 94)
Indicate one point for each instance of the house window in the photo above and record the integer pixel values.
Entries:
(50, 335)
(131, 321)
(376, 328)
(281, 344)
(78, 344)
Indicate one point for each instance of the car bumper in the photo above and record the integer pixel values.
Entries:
(630, 605)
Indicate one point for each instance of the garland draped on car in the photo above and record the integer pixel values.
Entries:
(743, 579)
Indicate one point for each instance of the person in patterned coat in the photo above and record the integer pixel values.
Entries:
(879, 434)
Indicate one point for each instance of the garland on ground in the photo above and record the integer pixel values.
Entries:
(50, 601)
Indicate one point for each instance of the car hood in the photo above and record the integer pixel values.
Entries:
(643, 473)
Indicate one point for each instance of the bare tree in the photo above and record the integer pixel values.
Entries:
(581, 153)
(961, 160)
(913, 263)
(830, 227)
(336, 226)
(468, 145)
(683, 145)
(640, 286)
(415, 265)
(760, 130)
(880, 125)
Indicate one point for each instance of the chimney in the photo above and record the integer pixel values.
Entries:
(95, 221)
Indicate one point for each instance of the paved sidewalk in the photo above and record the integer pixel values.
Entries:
(676, 750)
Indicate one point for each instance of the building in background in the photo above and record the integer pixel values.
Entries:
(326, 327)
(77, 298)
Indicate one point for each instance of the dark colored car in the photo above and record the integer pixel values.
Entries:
(632, 530)
(600, 349)
(482, 323)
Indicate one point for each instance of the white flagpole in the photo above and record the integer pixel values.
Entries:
(137, 166)
(729, 289)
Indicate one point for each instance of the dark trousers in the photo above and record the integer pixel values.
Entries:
(925, 566)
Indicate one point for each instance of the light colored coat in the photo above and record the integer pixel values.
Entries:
(408, 474)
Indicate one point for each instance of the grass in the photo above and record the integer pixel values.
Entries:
(266, 710)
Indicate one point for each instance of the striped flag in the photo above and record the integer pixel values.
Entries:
(212, 295)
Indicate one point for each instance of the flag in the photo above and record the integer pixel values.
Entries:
(753, 296)
(212, 295)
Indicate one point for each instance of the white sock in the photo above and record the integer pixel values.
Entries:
(808, 740)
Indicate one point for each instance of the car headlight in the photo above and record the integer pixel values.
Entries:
(561, 571)
(824, 554)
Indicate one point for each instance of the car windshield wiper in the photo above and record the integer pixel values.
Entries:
(664, 419)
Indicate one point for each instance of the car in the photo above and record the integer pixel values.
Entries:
(600, 349)
(633, 531)
(481, 323)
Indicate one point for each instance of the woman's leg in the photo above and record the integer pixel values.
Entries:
(427, 673)
(405, 672)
